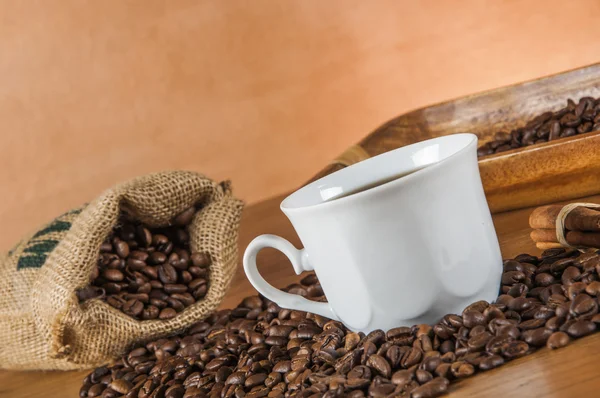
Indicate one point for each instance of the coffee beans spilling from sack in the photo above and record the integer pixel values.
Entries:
(147, 258)
(261, 350)
(149, 273)
(575, 118)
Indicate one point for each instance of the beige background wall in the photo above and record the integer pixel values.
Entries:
(262, 92)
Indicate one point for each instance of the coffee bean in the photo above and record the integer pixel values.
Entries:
(136, 263)
(583, 305)
(402, 377)
(532, 324)
(593, 289)
(570, 275)
(255, 380)
(276, 341)
(185, 217)
(544, 279)
(431, 359)
(121, 386)
(109, 288)
(473, 318)
(185, 277)
(536, 337)
(143, 235)
(113, 275)
(121, 248)
(520, 304)
(511, 277)
(443, 370)
(150, 312)
(411, 357)
(175, 304)
(461, 369)
(492, 312)
(477, 306)
(498, 343)
(514, 349)
(175, 391)
(167, 273)
(558, 340)
(236, 378)
(508, 331)
(478, 342)
(544, 312)
(157, 258)
(200, 292)
(443, 331)
(423, 376)
(434, 388)
(581, 328)
(568, 121)
(167, 313)
(562, 310)
(195, 283)
(512, 265)
(159, 239)
(198, 272)
(115, 301)
(491, 362)
(574, 289)
(400, 334)
(142, 297)
(185, 298)
(284, 352)
(380, 365)
(309, 280)
(517, 290)
(175, 288)
(554, 323)
(133, 307)
(201, 260)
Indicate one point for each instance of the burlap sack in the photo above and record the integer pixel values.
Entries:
(42, 325)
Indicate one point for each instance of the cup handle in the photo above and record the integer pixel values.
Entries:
(299, 259)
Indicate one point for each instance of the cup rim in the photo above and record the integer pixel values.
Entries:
(286, 208)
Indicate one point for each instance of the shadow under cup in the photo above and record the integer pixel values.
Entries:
(399, 239)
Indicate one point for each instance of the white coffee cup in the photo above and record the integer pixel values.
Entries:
(406, 251)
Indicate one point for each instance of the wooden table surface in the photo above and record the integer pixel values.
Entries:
(569, 372)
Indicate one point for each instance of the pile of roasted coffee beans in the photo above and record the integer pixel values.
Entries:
(261, 350)
(573, 119)
(149, 273)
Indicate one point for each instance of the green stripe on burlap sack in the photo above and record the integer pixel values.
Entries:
(42, 324)
(36, 250)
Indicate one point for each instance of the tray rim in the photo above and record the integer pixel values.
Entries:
(487, 92)
(551, 165)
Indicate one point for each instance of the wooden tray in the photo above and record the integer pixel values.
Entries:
(562, 169)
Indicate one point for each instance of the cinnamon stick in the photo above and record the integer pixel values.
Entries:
(583, 219)
(544, 235)
(548, 245)
(579, 219)
(583, 239)
(574, 238)
(544, 217)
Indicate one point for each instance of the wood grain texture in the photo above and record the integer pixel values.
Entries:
(566, 373)
(264, 92)
(544, 173)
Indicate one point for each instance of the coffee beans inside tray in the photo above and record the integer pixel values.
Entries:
(573, 119)
(261, 350)
(149, 273)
